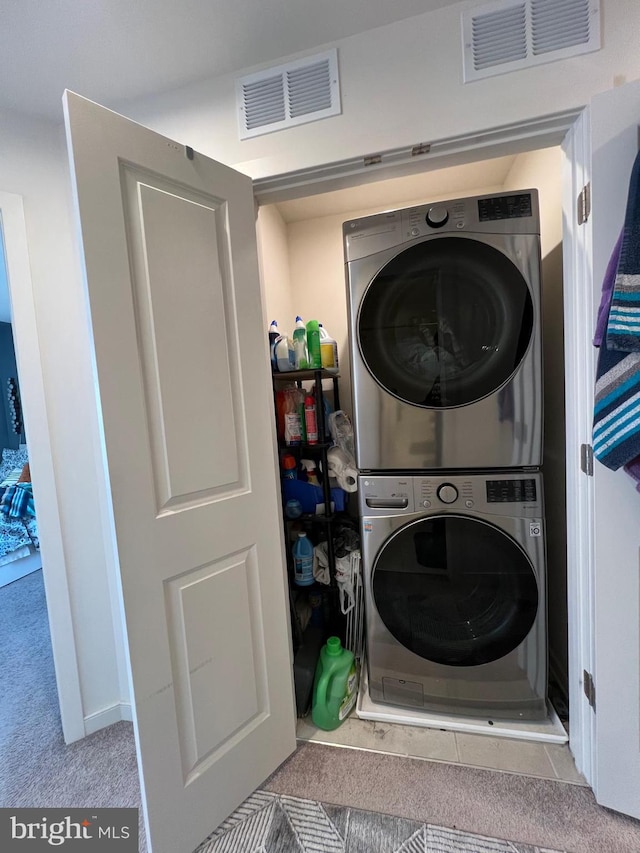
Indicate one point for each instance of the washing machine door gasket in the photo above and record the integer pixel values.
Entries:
(445, 323)
(455, 590)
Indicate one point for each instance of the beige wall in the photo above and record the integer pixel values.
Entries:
(400, 84)
(273, 256)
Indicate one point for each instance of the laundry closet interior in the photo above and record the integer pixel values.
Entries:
(300, 243)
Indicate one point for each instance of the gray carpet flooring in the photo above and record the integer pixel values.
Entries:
(38, 769)
(375, 803)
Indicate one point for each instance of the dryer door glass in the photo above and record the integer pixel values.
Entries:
(445, 323)
(455, 590)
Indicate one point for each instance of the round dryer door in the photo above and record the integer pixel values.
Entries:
(455, 590)
(445, 323)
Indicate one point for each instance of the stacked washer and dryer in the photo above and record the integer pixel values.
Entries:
(445, 343)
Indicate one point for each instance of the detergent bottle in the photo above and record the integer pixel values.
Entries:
(328, 351)
(313, 344)
(303, 561)
(335, 685)
(300, 345)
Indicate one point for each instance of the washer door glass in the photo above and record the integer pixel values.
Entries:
(445, 323)
(455, 590)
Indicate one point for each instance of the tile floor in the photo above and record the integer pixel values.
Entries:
(549, 761)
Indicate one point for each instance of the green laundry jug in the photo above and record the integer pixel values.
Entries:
(335, 685)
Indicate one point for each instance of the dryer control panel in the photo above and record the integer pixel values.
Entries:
(496, 213)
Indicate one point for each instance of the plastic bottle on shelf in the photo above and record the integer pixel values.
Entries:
(313, 344)
(284, 354)
(300, 345)
(335, 685)
(273, 336)
(311, 419)
(303, 561)
(328, 351)
(292, 424)
(289, 467)
(310, 469)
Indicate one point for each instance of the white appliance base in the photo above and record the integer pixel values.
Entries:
(550, 730)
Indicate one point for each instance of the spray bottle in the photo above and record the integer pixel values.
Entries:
(310, 468)
(310, 419)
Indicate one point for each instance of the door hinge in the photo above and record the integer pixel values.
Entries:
(586, 459)
(589, 688)
(584, 204)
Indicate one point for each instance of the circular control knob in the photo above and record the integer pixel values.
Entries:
(437, 216)
(447, 493)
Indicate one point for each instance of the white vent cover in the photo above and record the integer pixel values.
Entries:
(301, 91)
(510, 34)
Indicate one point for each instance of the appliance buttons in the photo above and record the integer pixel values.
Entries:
(468, 504)
(447, 493)
(437, 216)
(426, 504)
(415, 232)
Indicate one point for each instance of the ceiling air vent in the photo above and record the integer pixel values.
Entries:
(291, 94)
(507, 35)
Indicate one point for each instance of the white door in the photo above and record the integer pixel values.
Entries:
(184, 388)
(615, 117)
(603, 522)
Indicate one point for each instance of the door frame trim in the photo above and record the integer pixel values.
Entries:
(580, 488)
(32, 392)
(540, 132)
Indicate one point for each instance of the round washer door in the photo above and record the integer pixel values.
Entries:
(455, 590)
(445, 323)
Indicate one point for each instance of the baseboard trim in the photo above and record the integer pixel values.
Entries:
(13, 571)
(107, 717)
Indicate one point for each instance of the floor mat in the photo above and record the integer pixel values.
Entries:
(274, 823)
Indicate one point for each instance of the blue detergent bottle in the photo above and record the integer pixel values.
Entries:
(303, 561)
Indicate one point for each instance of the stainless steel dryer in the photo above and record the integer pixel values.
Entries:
(455, 591)
(445, 337)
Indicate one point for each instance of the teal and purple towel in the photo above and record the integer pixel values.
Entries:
(616, 422)
(623, 327)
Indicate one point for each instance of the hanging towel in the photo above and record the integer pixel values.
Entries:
(616, 420)
(607, 294)
(623, 328)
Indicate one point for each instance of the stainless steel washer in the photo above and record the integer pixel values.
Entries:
(445, 337)
(455, 592)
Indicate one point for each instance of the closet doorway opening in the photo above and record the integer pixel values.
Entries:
(302, 265)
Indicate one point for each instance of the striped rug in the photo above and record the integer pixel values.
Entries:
(274, 823)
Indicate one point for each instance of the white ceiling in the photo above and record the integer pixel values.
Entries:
(113, 50)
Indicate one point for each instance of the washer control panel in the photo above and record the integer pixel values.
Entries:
(500, 493)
